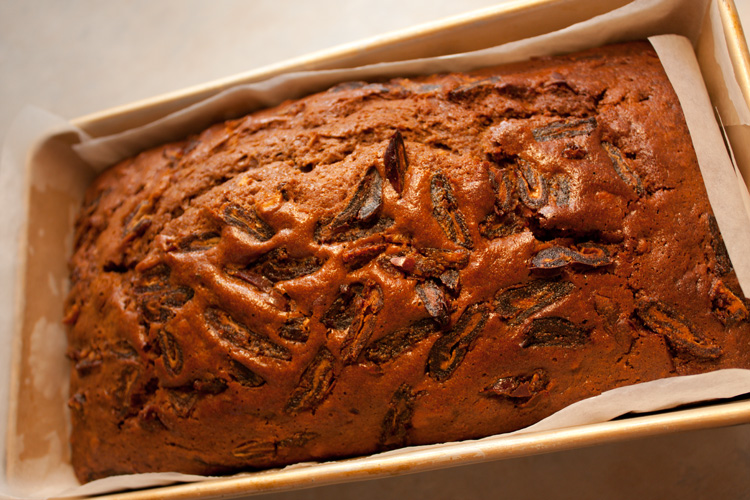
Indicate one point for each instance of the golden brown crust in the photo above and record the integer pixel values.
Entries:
(395, 263)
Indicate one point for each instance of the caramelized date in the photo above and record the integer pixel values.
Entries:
(178, 296)
(400, 341)
(396, 162)
(154, 279)
(264, 286)
(433, 298)
(451, 281)
(171, 352)
(156, 297)
(564, 129)
(554, 331)
(495, 226)
(353, 233)
(517, 304)
(296, 329)
(277, 266)
(449, 350)
(727, 306)
(359, 217)
(138, 221)
(229, 330)
(370, 196)
(257, 280)
(560, 190)
(519, 387)
(680, 334)
(437, 260)
(628, 175)
(314, 385)
(123, 350)
(360, 256)
(153, 310)
(397, 421)
(430, 262)
(589, 255)
(244, 375)
(367, 305)
(532, 186)
(199, 242)
(120, 351)
(502, 185)
(86, 362)
(344, 308)
(446, 213)
(247, 220)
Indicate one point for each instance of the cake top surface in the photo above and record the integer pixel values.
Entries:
(370, 261)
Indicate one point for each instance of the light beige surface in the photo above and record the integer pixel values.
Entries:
(73, 58)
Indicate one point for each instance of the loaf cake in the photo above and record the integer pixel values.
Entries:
(394, 263)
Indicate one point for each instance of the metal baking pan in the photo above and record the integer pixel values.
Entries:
(43, 250)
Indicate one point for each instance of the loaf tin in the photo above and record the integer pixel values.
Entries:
(59, 177)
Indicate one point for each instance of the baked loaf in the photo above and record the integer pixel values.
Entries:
(391, 264)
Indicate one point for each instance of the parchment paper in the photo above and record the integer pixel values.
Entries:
(636, 20)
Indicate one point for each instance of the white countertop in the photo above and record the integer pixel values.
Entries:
(51, 52)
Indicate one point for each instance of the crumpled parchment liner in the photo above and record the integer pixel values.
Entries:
(725, 189)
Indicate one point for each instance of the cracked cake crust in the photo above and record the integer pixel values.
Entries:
(395, 263)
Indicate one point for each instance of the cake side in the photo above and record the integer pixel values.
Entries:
(397, 263)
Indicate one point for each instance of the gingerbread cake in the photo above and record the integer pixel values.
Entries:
(395, 263)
